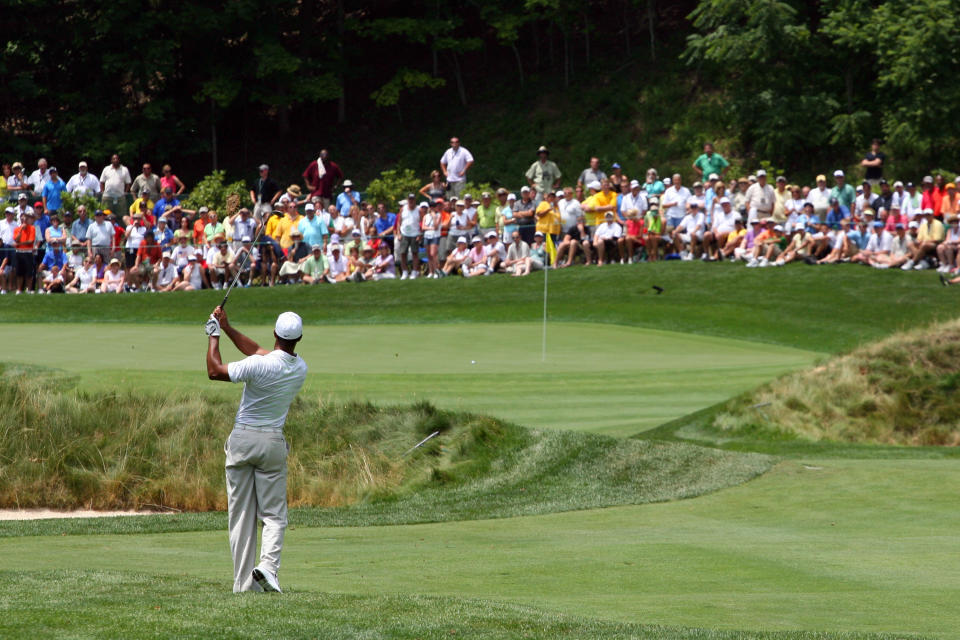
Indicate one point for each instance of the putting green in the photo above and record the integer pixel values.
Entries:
(845, 545)
(603, 378)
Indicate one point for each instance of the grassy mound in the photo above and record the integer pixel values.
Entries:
(62, 447)
(98, 604)
(901, 390)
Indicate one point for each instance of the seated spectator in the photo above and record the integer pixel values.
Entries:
(181, 253)
(547, 215)
(722, 225)
(358, 265)
(169, 207)
(147, 256)
(337, 265)
(947, 250)
(192, 277)
(143, 200)
(654, 223)
(734, 239)
(84, 279)
(165, 276)
(296, 256)
(384, 224)
(767, 245)
(840, 245)
(478, 260)
(537, 258)
(878, 245)
(798, 245)
(930, 233)
(314, 267)
(634, 232)
(605, 239)
(573, 228)
(383, 267)
(113, 278)
(458, 258)
(901, 247)
(246, 261)
(219, 268)
(496, 252)
(835, 213)
(75, 257)
(688, 235)
(53, 257)
(517, 253)
(895, 217)
(52, 280)
(744, 249)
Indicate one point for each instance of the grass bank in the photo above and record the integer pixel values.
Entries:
(61, 447)
(99, 604)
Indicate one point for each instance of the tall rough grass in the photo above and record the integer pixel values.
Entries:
(63, 447)
(903, 390)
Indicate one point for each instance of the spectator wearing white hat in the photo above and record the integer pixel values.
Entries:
(431, 223)
(496, 251)
(246, 261)
(606, 238)
(573, 229)
(165, 274)
(113, 278)
(843, 192)
(458, 258)
(83, 182)
(461, 224)
(633, 202)
(506, 221)
(761, 198)
(7, 250)
(688, 235)
(192, 277)
(408, 237)
(347, 199)
(901, 246)
(337, 265)
(477, 264)
(878, 244)
(383, 266)
(930, 233)
(722, 225)
(455, 162)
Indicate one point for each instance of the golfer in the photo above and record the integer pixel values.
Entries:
(256, 449)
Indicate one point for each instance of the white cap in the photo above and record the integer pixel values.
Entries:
(927, 212)
(897, 184)
(778, 227)
(914, 225)
(191, 257)
(511, 196)
(838, 173)
(346, 183)
(713, 176)
(462, 239)
(289, 326)
(559, 193)
(524, 189)
(491, 234)
(667, 181)
(761, 172)
(724, 200)
(424, 205)
(309, 207)
(166, 254)
(594, 184)
(634, 184)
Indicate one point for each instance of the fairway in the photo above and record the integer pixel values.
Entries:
(799, 548)
(601, 378)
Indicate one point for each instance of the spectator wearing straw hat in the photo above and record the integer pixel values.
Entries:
(113, 278)
(544, 174)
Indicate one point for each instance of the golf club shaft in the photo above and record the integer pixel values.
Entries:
(246, 259)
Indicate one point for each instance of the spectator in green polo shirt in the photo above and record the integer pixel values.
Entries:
(843, 192)
(486, 214)
(710, 162)
(213, 227)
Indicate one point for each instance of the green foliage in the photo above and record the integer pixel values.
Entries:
(404, 79)
(392, 186)
(212, 192)
(71, 201)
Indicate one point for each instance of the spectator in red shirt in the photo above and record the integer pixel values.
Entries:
(148, 256)
(322, 186)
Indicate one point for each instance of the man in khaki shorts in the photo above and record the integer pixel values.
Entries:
(256, 449)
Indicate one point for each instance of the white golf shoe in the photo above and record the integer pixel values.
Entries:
(907, 265)
(266, 579)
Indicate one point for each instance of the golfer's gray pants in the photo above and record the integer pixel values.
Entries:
(256, 490)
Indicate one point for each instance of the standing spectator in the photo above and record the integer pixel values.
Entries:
(168, 207)
(264, 193)
(348, 199)
(39, 177)
(710, 162)
(321, 176)
(147, 181)
(930, 198)
(54, 232)
(133, 237)
(591, 173)
(820, 197)
(5, 173)
(16, 182)
(912, 202)
(8, 255)
(455, 162)
(523, 211)
(143, 197)
(384, 224)
(486, 214)
(25, 244)
(408, 226)
(460, 223)
(760, 198)
(842, 191)
(617, 179)
(83, 182)
(169, 180)
(885, 197)
(435, 189)
(873, 162)
(431, 225)
(548, 216)
(243, 225)
(115, 184)
(866, 200)
(100, 237)
(653, 185)
(53, 191)
(674, 202)
(544, 174)
(212, 228)
(506, 222)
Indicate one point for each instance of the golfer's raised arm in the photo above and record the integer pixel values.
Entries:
(244, 345)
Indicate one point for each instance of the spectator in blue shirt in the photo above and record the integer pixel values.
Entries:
(52, 190)
(836, 213)
(54, 255)
(167, 202)
(347, 199)
(78, 230)
(163, 234)
(312, 226)
(384, 224)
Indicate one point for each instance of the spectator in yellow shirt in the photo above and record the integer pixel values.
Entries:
(597, 205)
(548, 216)
(289, 222)
(930, 234)
(144, 197)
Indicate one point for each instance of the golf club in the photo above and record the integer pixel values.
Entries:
(419, 444)
(246, 258)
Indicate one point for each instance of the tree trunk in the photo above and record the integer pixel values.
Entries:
(516, 54)
(586, 38)
(342, 100)
(459, 77)
(651, 16)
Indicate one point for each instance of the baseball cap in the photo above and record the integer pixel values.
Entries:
(289, 326)
(559, 194)
(467, 196)
(761, 172)
(309, 207)
(615, 165)
(724, 200)
(542, 149)
(778, 227)
(98, 212)
(191, 257)
(838, 173)
(512, 196)
(296, 232)
(697, 184)
(927, 212)
(355, 233)
(501, 191)
(82, 164)
(203, 210)
(869, 212)
(713, 176)
(144, 191)
(899, 225)
(166, 254)
(485, 194)
(22, 196)
(52, 170)
(594, 184)
(608, 214)
(898, 183)
(927, 179)
(410, 196)
(821, 177)
(491, 234)
(694, 205)
(263, 167)
(476, 239)
(524, 189)
(877, 224)
(538, 233)
(634, 184)
(115, 261)
(914, 225)
(781, 179)
(337, 246)
(461, 239)
(424, 205)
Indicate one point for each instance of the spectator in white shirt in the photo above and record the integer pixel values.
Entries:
(605, 238)
(761, 198)
(83, 182)
(674, 202)
(39, 177)
(8, 253)
(455, 162)
(820, 197)
(724, 222)
(115, 184)
(165, 274)
(408, 236)
(688, 236)
(337, 263)
(574, 232)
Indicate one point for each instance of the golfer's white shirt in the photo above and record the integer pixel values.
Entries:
(271, 382)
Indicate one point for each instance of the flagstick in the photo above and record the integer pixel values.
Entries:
(546, 273)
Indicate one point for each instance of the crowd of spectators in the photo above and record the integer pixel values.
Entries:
(142, 238)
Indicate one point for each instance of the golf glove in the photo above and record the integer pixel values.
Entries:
(212, 327)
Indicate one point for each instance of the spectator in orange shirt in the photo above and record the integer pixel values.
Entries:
(199, 227)
(149, 255)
